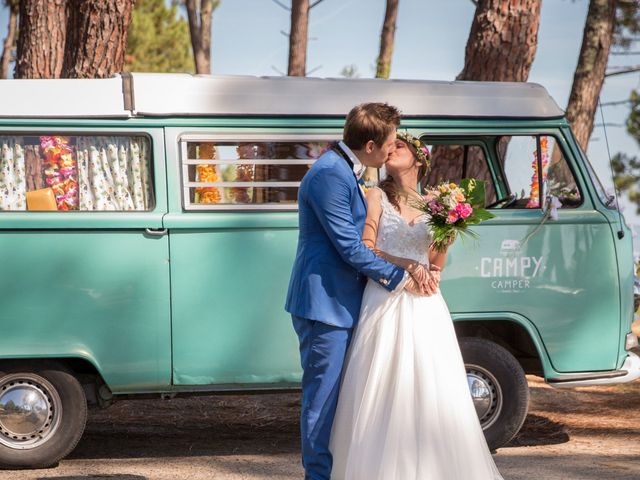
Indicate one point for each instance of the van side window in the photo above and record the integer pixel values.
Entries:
(251, 175)
(529, 160)
(453, 162)
(75, 173)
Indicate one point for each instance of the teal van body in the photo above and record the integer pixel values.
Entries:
(175, 300)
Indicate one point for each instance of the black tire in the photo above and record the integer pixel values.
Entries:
(507, 382)
(65, 402)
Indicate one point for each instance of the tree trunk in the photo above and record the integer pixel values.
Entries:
(501, 47)
(41, 39)
(592, 64)
(502, 42)
(298, 38)
(200, 30)
(10, 41)
(383, 68)
(97, 38)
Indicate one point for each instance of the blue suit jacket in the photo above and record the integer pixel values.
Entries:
(332, 263)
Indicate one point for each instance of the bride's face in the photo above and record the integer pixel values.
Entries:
(402, 161)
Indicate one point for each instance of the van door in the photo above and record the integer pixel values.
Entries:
(233, 233)
(559, 274)
(85, 270)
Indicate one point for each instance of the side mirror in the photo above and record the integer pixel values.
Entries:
(551, 206)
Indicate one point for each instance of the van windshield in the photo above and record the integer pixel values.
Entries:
(608, 199)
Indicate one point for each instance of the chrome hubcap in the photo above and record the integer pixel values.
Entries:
(486, 394)
(30, 410)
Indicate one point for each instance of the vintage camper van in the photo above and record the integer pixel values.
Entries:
(148, 225)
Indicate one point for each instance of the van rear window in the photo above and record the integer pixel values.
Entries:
(246, 175)
(75, 173)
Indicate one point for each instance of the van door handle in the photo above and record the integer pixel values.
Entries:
(156, 232)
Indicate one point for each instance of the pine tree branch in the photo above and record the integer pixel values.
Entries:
(618, 102)
(635, 68)
(279, 3)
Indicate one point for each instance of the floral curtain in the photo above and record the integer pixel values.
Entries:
(85, 173)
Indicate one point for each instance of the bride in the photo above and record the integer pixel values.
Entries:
(405, 411)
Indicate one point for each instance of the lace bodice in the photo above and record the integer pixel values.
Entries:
(401, 239)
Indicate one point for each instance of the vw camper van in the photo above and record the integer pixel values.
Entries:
(148, 224)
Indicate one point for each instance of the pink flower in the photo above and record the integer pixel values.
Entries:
(452, 217)
(464, 210)
(434, 206)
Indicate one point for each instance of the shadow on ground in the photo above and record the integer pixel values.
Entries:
(538, 430)
(95, 477)
(197, 426)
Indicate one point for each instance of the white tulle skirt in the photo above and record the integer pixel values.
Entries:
(405, 411)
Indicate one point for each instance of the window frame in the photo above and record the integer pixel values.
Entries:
(70, 132)
(217, 138)
(558, 141)
(482, 140)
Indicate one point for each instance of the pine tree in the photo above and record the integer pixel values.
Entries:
(626, 168)
(96, 37)
(8, 50)
(159, 39)
(387, 37)
(41, 39)
(501, 47)
(592, 64)
(199, 13)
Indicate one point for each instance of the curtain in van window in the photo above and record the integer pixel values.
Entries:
(12, 176)
(113, 174)
(85, 173)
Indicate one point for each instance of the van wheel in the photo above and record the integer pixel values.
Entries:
(43, 412)
(498, 387)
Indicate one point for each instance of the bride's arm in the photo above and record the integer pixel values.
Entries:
(438, 258)
(370, 233)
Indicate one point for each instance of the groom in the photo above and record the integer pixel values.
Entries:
(331, 268)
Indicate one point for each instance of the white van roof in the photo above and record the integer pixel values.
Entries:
(154, 94)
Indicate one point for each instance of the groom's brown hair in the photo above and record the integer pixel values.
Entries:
(370, 121)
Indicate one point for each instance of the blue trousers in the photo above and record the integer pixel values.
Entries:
(322, 352)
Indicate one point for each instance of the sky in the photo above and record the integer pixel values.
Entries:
(248, 39)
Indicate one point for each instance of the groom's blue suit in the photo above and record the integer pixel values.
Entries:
(325, 293)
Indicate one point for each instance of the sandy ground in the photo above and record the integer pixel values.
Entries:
(582, 434)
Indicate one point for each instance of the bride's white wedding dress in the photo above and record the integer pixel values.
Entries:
(405, 411)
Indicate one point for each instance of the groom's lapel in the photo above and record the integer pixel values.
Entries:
(361, 190)
(349, 164)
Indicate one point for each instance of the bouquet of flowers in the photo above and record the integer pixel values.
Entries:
(452, 209)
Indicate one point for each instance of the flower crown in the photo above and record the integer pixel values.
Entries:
(422, 152)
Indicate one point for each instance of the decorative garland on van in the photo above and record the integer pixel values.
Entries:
(534, 195)
(207, 173)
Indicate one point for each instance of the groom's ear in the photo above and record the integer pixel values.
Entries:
(369, 146)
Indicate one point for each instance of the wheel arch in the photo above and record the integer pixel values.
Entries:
(511, 331)
(83, 368)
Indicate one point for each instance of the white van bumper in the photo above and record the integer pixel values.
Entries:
(629, 371)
